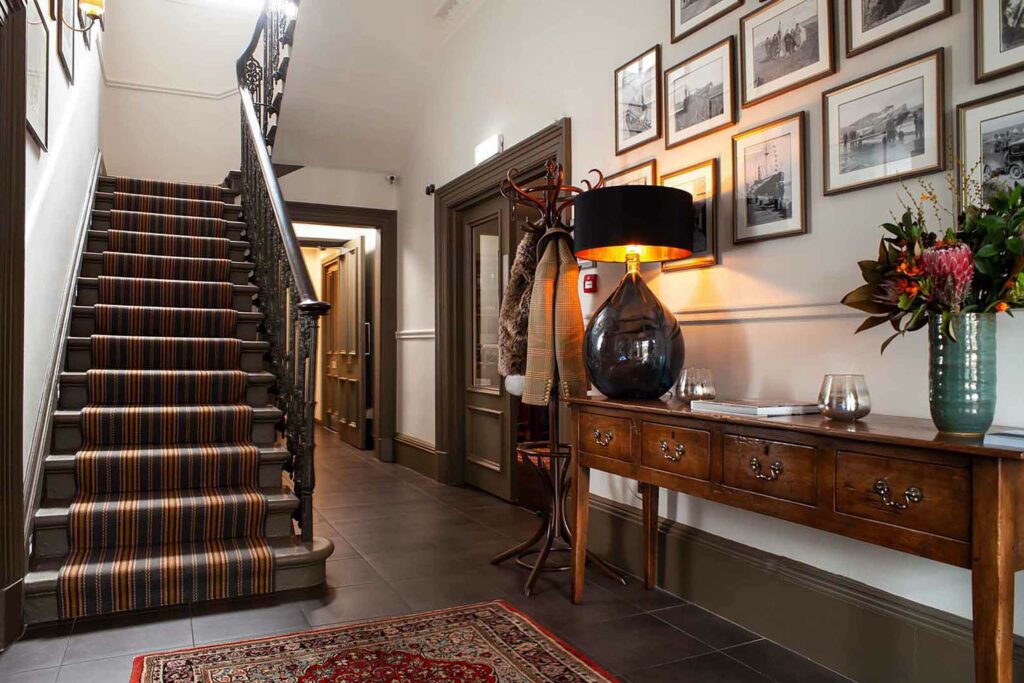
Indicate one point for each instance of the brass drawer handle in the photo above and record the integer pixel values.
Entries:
(680, 451)
(910, 496)
(774, 470)
(603, 439)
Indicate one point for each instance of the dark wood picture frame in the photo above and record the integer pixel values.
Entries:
(801, 159)
(961, 134)
(730, 107)
(66, 61)
(829, 53)
(727, 6)
(83, 21)
(940, 106)
(42, 137)
(53, 10)
(980, 74)
(653, 163)
(945, 13)
(712, 255)
(619, 150)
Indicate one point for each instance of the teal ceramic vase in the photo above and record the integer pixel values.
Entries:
(962, 374)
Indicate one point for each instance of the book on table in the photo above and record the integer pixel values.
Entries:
(1010, 438)
(755, 407)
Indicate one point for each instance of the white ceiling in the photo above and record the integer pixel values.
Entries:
(359, 71)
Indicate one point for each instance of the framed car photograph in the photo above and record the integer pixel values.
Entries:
(769, 181)
(784, 45)
(689, 16)
(886, 126)
(37, 74)
(638, 101)
(641, 174)
(66, 10)
(701, 181)
(700, 94)
(990, 131)
(870, 23)
(998, 38)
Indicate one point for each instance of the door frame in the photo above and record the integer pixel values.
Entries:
(385, 305)
(472, 187)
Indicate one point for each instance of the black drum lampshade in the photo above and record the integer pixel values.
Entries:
(633, 346)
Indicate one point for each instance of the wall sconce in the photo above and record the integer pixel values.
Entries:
(91, 10)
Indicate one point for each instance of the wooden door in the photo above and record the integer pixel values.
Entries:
(487, 415)
(345, 345)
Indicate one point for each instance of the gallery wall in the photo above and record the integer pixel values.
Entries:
(767, 319)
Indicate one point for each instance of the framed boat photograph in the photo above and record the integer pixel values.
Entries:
(769, 181)
(990, 131)
(998, 38)
(66, 10)
(37, 74)
(700, 94)
(638, 101)
(641, 174)
(784, 45)
(701, 181)
(689, 16)
(870, 23)
(886, 126)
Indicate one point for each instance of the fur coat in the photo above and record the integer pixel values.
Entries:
(514, 316)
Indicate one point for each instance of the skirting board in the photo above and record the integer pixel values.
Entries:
(418, 455)
(845, 625)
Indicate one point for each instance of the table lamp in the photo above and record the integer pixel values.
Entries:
(633, 347)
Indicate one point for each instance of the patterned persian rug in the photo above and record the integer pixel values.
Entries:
(486, 643)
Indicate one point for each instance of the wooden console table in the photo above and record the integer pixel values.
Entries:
(893, 482)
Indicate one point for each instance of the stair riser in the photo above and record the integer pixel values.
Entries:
(92, 267)
(80, 360)
(52, 541)
(97, 243)
(83, 325)
(105, 202)
(88, 295)
(109, 185)
(67, 438)
(75, 396)
(101, 222)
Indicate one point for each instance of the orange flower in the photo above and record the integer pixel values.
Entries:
(1002, 306)
(909, 269)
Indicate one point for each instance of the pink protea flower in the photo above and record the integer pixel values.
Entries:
(951, 270)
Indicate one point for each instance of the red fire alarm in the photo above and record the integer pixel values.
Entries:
(590, 283)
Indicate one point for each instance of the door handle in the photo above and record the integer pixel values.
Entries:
(369, 338)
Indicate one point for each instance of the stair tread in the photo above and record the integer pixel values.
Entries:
(252, 316)
(82, 377)
(266, 413)
(65, 462)
(237, 265)
(92, 281)
(115, 178)
(234, 243)
(106, 213)
(246, 345)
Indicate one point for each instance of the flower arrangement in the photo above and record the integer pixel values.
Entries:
(975, 266)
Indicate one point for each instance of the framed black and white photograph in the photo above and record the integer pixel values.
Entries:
(701, 181)
(700, 94)
(689, 16)
(83, 22)
(66, 10)
(769, 181)
(37, 74)
(886, 126)
(784, 45)
(998, 38)
(991, 135)
(638, 101)
(641, 174)
(870, 23)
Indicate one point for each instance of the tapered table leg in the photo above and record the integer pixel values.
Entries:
(650, 534)
(581, 505)
(996, 486)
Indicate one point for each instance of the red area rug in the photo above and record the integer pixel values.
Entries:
(486, 643)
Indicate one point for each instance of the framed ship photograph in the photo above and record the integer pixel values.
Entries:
(998, 38)
(700, 94)
(870, 23)
(37, 74)
(641, 174)
(784, 45)
(701, 181)
(638, 101)
(689, 16)
(769, 181)
(990, 131)
(886, 126)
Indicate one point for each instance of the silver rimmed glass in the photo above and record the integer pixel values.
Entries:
(696, 384)
(844, 398)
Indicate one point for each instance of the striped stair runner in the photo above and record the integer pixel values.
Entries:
(167, 508)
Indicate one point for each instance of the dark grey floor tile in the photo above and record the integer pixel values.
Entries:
(217, 623)
(40, 648)
(633, 591)
(510, 519)
(435, 561)
(355, 603)
(111, 670)
(463, 497)
(463, 537)
(551, 605)
(438, 592)
(717, 632)
(782, 665)
(34, 676)
(710, 668)
(129, 634)
(353, 571)
(633, 643)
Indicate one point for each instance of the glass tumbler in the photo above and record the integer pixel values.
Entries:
(844, 398)
(696, 384)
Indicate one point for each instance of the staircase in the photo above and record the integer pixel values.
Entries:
(164, 482)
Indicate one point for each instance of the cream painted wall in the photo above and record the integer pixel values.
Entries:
(57, 198)
(766, 320)
(339, 186)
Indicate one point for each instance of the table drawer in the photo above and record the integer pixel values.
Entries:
(926, 497)
(677, 450)
(605, 435)
(772, 468)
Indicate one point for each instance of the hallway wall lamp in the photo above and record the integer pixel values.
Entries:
(92, 10)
